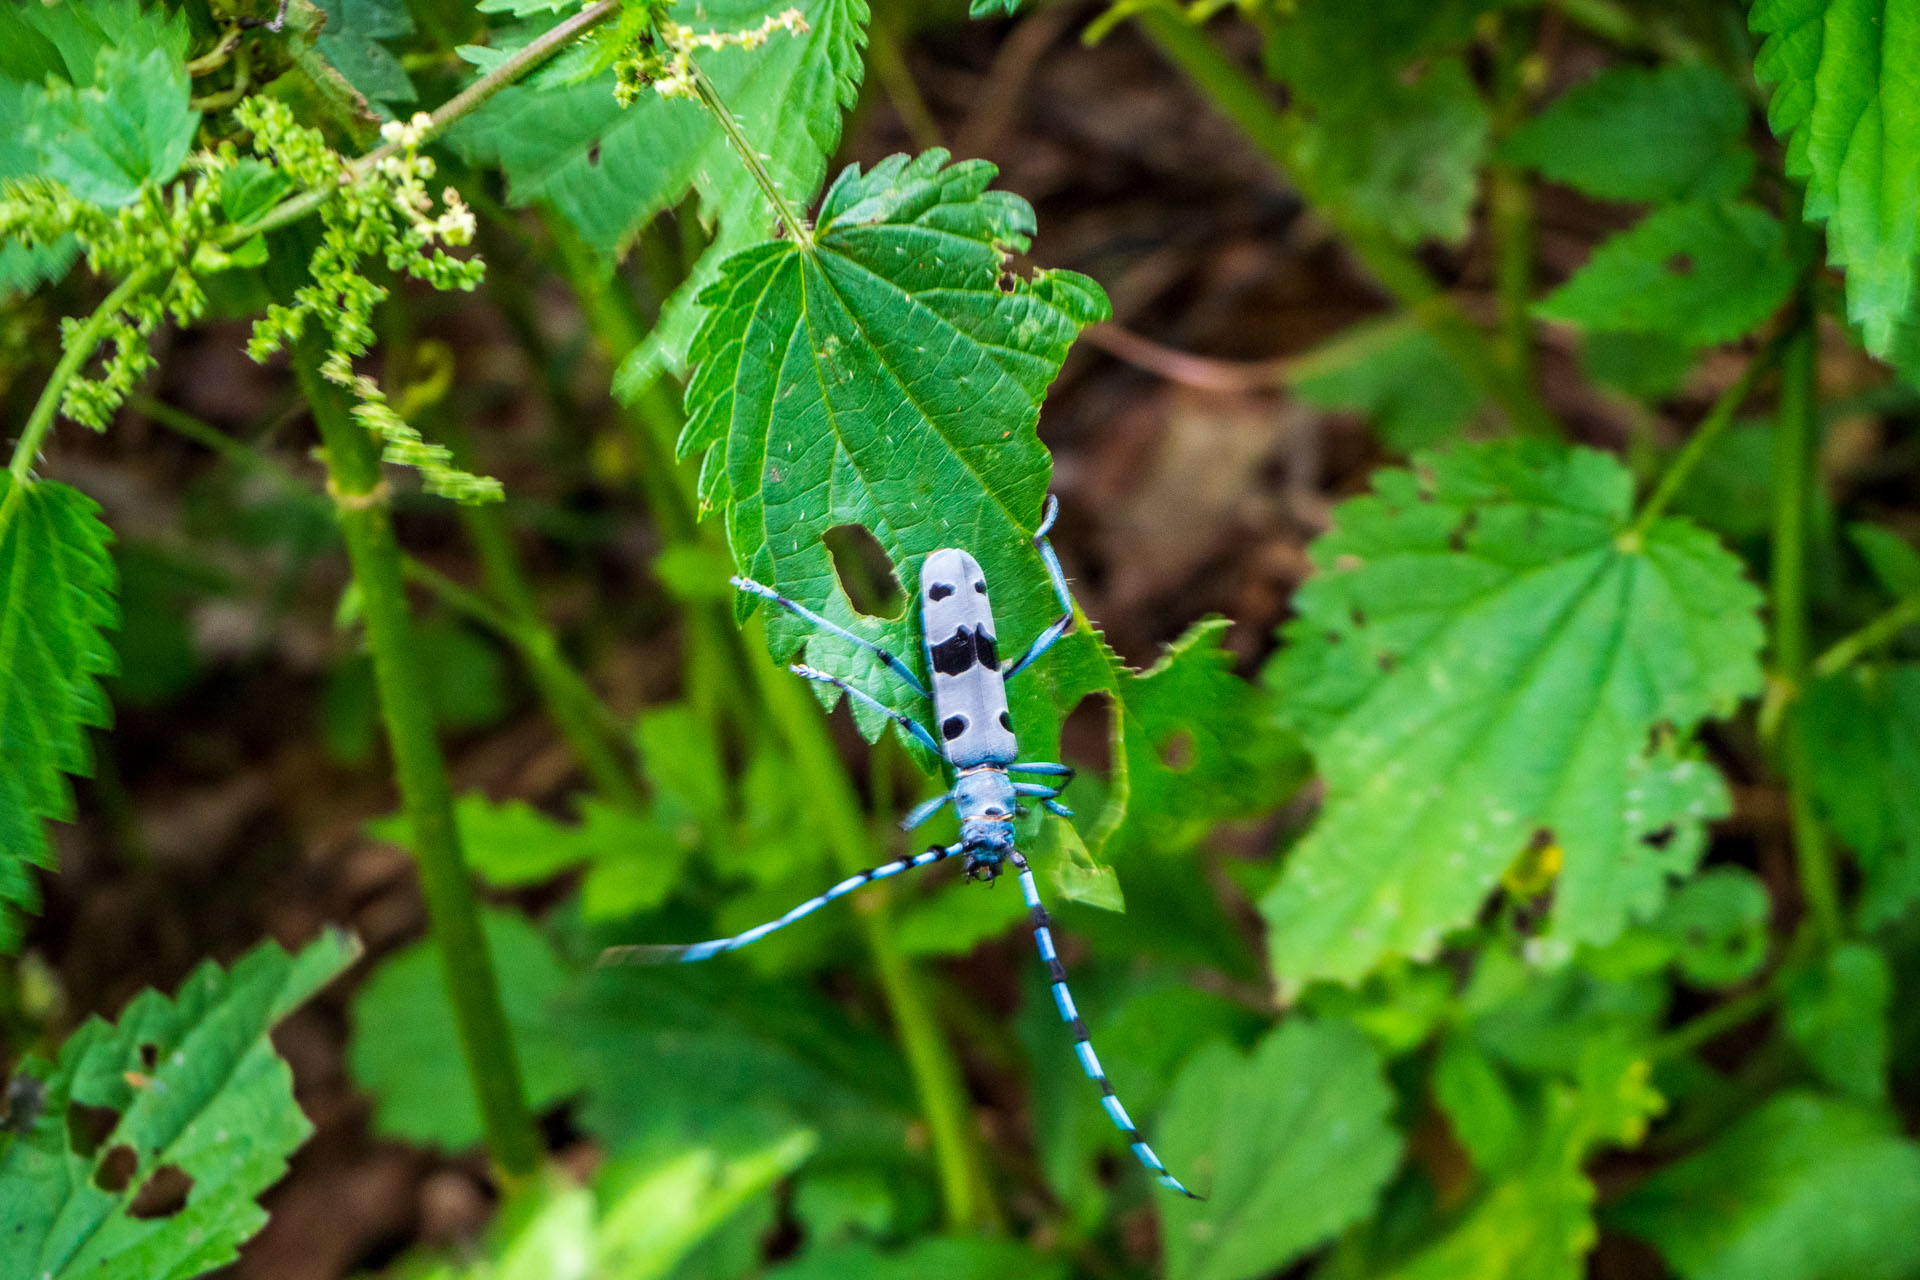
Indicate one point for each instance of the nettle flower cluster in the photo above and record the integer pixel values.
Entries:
(164, 243)
(664, 59)
(375, 208)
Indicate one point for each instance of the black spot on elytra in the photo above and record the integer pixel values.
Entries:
(939, 591)
(1006, 722)
(984, 650)
(952, 727)
(980, 588)
(955, 654)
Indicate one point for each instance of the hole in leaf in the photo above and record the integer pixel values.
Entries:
(164, 1194)
(1388, 660)
(116, 1169)
(1659, 839)
(88, 1127)
(1086, 736)
(149, 1055)
(865, 572)
(1680, 264)
(1359, 618)
(1176, 752)
(593, 154)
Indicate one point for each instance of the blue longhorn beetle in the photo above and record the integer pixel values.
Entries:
(976, 739)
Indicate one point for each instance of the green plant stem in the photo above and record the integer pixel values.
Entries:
(1846, 651)
(1238, 98)
(1794, 475)
(749, 156)
(453, 916)
(1715, 1022)
(796, 715)
(570, 699)
(1718, 419)
(467, 100)
(1510, 207)
(77, 348)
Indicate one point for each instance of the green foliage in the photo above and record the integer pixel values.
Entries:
(1688, 123)
(1803, 1188)
(352, 45)
(1395, 373)
(1700, 273)
(94, 96)
(57, 586)
(1390, 129)
(1490, 661)
(637, 1219)
(1532, 1222)
(1836, 1010)
(899, 286)
(949, 1258)
(1863, 736)
(1289, 1143)
(405, 1049)
(1502, 672)
(1850, 116)
(607, 168)
(1716, 927)
(191, 1085)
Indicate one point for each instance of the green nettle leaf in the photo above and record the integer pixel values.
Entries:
(881, 375)
(1848, 107)
(1836, 1011)
(950, 1258)
(636, 1221)
(1716, 926)
(1491, 663)
(635, 857)
(607, 170)
(129, 129)
(1394, 373)
(1701, 273)
(350, 43)
(1407, 160)
(1674, 133)
(1534, 1221)
(1805, 1188)
(1894, 562)
(1289, 1143)
(57, 586)
(1198, 748)
(405, 1050)
(1479, 1103)
(1862, 730)
(1647, 365)
(194, 1094)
